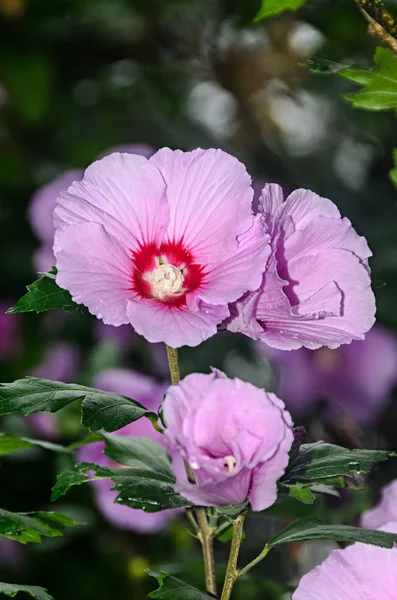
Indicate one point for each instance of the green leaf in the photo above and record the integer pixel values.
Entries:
(31, 527)
(149, 491)
(303, 494)
(288, 509)
(137, 488)
(273, 7)
(138, 452)
(224, 532)
(45, 294)
(11, 443)
(320, 462)
(393, 172)
(90, 439)
(379, 90)
(322, 66)
(233, 510)
(11, 590)
(109, 411)
(100, 410)
(171, 588)
(307, 529)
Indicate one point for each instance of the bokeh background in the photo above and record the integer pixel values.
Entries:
(81, 77)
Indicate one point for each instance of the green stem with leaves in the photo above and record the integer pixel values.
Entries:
(254, 562)
(206, 533)
(231, 572)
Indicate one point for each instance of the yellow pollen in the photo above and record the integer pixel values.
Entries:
(229, 462)
(166, 280)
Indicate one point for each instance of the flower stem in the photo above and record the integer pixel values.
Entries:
(206, 533)
(206, 537)
(231, 572)
(173, 364)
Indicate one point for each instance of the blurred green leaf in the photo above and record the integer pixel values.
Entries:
(322, 66)
(312, 529)
(28, 79)
(11, 590)
(138, 452)
(379, 90)
(393, 172)
(287, 508)
(137, 488)
(224, 532)
(274, 7)
(172, 588)
(81, 474)
(45, 294)
(11, 443)
(321, 462)
(90, 439)
(303, 494)
(31, 527)
(100, 410)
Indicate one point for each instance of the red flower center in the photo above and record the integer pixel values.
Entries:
(166, 273)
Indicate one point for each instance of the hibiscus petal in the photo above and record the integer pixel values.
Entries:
(174, 326)
(264, 480)
(243, 271)
(210, 197)
(320, 235)
(359, 572)
(122, 192)
(233, 490)
(96, 270)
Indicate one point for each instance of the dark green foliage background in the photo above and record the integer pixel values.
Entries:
(84, 75)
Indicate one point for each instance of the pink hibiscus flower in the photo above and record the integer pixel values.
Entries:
(316, 287)
(385, 510)
(235, 437)
(359, 572)
(163, 244)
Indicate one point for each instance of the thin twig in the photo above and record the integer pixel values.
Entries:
(382, 23)
(254, 562)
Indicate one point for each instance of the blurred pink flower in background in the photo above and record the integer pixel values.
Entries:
(235, 437)
(59, 363)
(12, 554)
(150, 394)
(163, 244)
(359, 572)
(355, 380)
(316, 289)
(385, 511)
(9, 331)
(124, 336)
(40, 214)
